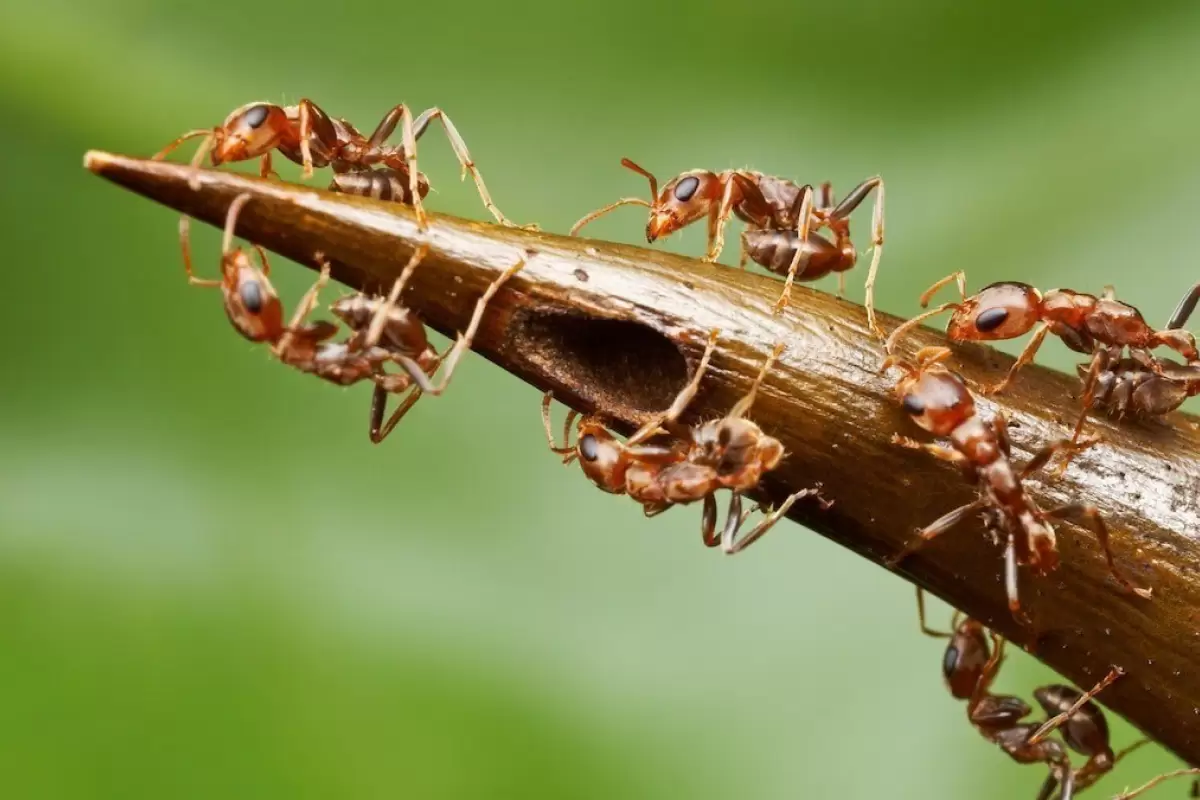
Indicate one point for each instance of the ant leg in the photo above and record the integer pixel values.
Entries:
(588, 218)
(1011, 584)
(306, 306)
(1058, 720)
(1043, 456)
(1026, 356)
(925, 629)
(375, 329)
(744, 255)
(1090, 516)
(681, 400)
(380, 432)
(708, 522)
(744, 404)
(264, 167)
(1150, 784)
(717, 219)
(185, 245)
(729, 541)
(566, 447)
(934, 529)
(889, 346)
(197, 159)
(959, 278)
(844, 209)
(935, 450)
(464, 158)
(235, 209)
(1185, 308)
(463, 343)
(803, 223)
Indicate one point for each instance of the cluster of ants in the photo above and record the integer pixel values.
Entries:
(665, 463)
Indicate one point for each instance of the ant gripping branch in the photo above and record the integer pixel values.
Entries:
(781, 218)
(970, 666)
(383, 332)
(727, 453)
(938, 401)
(308, 136)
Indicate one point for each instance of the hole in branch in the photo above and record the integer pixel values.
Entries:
(623, 368)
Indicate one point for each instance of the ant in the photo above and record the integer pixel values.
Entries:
(938, 401)
(1102, 327)
(970, 666)
(1128, 387)
(256, 312)
(308, 136)
(727, 453)
(781, 217)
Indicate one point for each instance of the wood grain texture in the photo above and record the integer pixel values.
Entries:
(615, 329)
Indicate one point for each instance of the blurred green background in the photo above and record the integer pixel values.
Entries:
(213, 585)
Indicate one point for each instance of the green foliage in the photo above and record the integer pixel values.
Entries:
(212, 585)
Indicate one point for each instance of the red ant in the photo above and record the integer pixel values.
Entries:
(308, 136)
(1102, 327)
(390, 334)
(938, 401)
(970, 666)
(781, 217)
(728, 453)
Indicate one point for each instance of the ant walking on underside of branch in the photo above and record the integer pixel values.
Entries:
(781, 218)
(938, 401)
(382, 330)
(308, 136)
(970, 666)
(728, 453)
(1101, 327)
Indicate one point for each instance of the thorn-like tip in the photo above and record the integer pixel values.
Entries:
(96, 160)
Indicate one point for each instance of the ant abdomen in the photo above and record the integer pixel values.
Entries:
(775, 249)
(380, 184)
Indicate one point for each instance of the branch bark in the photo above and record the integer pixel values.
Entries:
(616, 329)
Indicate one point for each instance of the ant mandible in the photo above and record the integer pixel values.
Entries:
(781, 217)
(728, 453)
(938, 401)
(969, 667)
(256, 312)
(308, 136)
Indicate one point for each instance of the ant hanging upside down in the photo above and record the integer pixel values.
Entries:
(781, 218)
(308, 136)
(970, 666)
(728, 453)
(382, 330)
(938, 401)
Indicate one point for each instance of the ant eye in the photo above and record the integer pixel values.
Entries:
(950, 661)
(251, 294)
(255, 116)
(991, 319)
(589, 448)
(913, 405)
(686, 188)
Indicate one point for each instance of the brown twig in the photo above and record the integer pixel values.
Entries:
(613, 328)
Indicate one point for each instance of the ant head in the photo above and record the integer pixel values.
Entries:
(999, 311)
(250, 299)
(601, 456)
(249, 132)
(685, 199)
(1085, 731)
(965, 657)
(933, 396)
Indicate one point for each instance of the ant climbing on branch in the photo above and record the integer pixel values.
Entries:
(938, 401)
(727, 453)
(781, 218)
(308, 136)
(1101, 327)
(382, 331)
